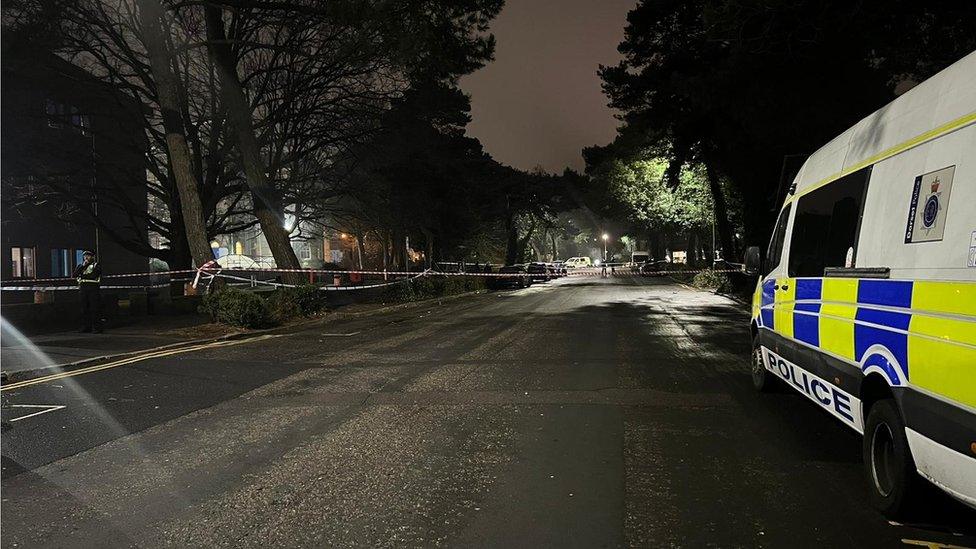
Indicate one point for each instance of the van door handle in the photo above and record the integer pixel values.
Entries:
(785, 287)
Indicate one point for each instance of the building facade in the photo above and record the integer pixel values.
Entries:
(73, 173)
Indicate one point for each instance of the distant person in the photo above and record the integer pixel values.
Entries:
(89, 276)
(603, 267)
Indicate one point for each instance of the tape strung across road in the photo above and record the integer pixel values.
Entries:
(240, 275)
(132, 359)
(325, 288)
(111, 287)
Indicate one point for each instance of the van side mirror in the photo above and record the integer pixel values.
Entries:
(753, 260)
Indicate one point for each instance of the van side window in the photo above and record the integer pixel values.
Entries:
(826, 226)
(776, 242)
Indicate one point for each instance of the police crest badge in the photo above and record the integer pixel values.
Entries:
(930, 201)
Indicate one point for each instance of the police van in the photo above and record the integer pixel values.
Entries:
(578, 262)
(866, 300)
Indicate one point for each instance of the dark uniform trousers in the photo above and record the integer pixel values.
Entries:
(91, 305)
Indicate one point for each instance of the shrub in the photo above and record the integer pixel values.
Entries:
(426, 287)
(401, 292)
(287, 303)
(423, 287)
(307, 297)
(457, 285)
(282, 305)
(711, 280)
(474, 283)
(237, 308)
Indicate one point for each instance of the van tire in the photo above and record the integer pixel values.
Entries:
(893, 480)
(762, 379)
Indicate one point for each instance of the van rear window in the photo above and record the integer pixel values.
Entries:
(826, 226)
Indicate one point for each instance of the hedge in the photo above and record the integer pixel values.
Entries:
(427, 287)
(237, 308)
(711, 280)
(252, 310)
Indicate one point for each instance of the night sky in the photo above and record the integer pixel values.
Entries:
(539, 102)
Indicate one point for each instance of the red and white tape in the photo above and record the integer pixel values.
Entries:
(211, 270)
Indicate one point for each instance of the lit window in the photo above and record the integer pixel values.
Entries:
(22, 262)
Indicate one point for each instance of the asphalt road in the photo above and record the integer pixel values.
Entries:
(579, 413)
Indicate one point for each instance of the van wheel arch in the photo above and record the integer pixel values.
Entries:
(874, 387)
(885, 450)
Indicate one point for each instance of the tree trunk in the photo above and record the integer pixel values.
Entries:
(399, 250)
(524, 241)
(657, 252)
(722, 224)
(180, 257)
(361, 248)
(267, 204)
(429, 240)
(511, 236)
(167, 90)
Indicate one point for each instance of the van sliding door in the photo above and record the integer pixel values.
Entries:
(824, 236)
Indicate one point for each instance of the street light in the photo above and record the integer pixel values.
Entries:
(605, 238)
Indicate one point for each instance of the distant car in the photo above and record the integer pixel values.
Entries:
(577, 262)
(538, 272)
(559, 268)
(518, 280)
(654, 266)
(637, 259)
(448, 267)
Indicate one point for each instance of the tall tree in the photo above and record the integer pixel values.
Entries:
(156, 40)
(742, 86)
(267, 204)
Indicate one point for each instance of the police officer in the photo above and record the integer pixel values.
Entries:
(89, 275)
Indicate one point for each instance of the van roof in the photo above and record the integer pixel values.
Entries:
(943, 103)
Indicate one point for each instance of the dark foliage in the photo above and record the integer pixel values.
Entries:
(750, 87)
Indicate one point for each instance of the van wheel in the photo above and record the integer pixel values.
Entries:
(892, 477)
(762, 379)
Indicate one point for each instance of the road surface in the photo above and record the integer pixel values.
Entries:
(581, 413)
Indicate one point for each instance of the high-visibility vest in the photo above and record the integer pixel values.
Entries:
(88, 270)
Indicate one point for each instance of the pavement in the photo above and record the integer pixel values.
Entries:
(585, 412)
(20, 353)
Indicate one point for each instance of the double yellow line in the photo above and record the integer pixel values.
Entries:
(132, 359)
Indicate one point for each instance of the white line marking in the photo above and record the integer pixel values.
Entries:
(49, 408)
(341, 335)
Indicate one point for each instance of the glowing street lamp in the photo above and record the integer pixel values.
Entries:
(606, 237)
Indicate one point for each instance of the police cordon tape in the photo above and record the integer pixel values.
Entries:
(323, 288)
(36, 288)
(208, 270)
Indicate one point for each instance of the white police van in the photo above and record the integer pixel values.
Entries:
(866, 300)
(578, 262)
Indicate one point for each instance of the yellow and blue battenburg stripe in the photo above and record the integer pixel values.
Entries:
(918, 333)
